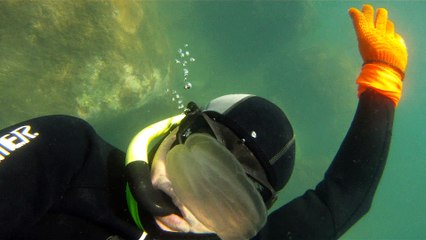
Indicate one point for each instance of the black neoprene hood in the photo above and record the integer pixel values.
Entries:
(265, 129)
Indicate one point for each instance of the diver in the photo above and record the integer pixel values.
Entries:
(210, 173)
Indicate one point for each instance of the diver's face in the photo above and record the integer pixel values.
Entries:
(187, 222)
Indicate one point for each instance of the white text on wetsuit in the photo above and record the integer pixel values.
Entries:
(14, 140)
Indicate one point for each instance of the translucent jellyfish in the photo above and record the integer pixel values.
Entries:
(201, 171)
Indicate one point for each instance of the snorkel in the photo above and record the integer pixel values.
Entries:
(139, 190)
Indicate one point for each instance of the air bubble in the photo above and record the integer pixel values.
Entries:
(188, 85)
(184, 59)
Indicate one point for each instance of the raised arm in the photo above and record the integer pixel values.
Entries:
(347, 191)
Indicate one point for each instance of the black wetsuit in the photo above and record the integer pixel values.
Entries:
(60, 180)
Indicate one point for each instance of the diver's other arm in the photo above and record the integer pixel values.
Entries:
(347, 191)
(352, 179)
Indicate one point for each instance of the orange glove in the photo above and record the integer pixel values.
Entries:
(383, 51)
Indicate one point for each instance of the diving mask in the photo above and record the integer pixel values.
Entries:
(197, 121)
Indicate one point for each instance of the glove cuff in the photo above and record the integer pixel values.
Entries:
(383, 62)
(382, 78)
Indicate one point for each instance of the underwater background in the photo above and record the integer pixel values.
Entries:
(124, 64)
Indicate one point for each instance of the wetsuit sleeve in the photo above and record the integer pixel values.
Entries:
(347, 190)
(38, 160)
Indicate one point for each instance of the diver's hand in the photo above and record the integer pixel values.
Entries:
(378, 41)
(383, 51)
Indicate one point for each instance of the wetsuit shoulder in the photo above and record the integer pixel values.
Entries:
(56, 170)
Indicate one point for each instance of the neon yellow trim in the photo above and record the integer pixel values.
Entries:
(133, 208)
(144, 235)
(138, 151)
(138, 148)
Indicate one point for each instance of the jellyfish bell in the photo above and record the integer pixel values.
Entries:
(213, 186)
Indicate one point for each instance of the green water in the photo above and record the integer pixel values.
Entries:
(302, 55)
